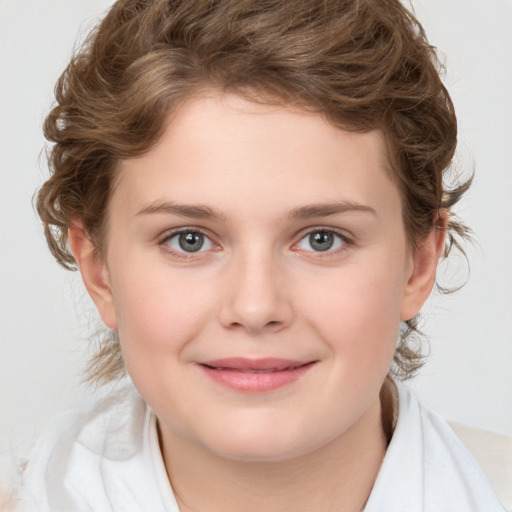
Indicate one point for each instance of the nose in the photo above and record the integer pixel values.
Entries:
(257, 295)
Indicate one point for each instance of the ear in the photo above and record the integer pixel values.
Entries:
(94, 273)
(424, 265)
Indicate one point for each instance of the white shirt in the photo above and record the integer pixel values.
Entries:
(106, 458)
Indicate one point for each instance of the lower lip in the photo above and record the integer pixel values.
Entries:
(256, 382)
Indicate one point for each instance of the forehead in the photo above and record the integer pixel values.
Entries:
(224, 150)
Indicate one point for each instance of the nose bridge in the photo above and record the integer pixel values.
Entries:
(257, 295)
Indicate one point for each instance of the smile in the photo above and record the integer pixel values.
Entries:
(255, 375)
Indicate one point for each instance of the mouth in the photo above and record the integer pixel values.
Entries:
(255, 375)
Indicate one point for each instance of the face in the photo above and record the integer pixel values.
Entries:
(257, 270)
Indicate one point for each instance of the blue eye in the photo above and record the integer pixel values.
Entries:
(189, 241)
(321, 240)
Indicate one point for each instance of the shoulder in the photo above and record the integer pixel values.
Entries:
(428, 468)
(93, 457)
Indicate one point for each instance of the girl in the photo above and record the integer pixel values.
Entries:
(253, 193)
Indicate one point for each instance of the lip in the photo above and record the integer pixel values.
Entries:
(255, 375)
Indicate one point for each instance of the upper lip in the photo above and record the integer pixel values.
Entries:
(247, 364)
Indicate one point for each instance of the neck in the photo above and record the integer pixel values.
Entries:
(338, 476)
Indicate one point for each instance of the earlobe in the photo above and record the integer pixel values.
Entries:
(94, 273)
(423, 275)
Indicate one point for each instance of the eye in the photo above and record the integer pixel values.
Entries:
(188, 241)
(321, 240)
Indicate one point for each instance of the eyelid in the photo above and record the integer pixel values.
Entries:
(168, 235)
(342, 234)
(346, 239)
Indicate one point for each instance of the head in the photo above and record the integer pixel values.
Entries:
(364, 67)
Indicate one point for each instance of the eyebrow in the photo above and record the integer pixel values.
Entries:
(183, 210)
(324, 210)
(206, 212)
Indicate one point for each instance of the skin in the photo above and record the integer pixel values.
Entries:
(258, 288)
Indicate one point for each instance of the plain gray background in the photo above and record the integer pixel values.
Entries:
(44, 313)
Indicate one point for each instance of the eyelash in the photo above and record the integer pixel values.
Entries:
(342, 240)
(164, 243)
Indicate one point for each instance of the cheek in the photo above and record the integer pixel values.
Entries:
(357, 313)
(158, 311)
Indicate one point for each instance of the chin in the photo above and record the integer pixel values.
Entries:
(269, 444)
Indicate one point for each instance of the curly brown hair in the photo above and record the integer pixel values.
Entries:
(363, 64)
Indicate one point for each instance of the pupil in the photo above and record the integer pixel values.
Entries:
(321, 240)
(191, 242)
